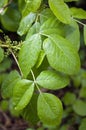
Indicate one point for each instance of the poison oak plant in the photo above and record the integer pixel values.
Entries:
(46, 58)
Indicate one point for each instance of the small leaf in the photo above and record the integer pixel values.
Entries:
(26, 23)
(9, 83)
(60, 10)
(22, 93)
(49, 109)
(52, 80)
(80, 107)
(85, 34)
(29, 53)
(1, 54)
(61, 54)
(78, 13)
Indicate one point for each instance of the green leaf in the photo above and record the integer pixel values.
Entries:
(52, 80)
(78, 13)
(60, 10)
(22, 93)
(1, 54)
(33, 4)
(70, 32)
(80, 107)
(26, 23)
(40, 58)
(85, 34)
(10, 21)
(49, 109)
(83, 124)
(9, 83)
(33, 30)
(45, 14)
(29, 53)
(61, 54)
(82, 92)
(51, 26)
(29, 113)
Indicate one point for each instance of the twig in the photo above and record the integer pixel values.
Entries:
(16, 61)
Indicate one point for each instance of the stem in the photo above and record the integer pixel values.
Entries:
(16, 61)
(35, 81)
(7, 46)
(79, 22)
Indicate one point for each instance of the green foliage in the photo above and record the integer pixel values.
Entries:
(83, 124)
(80, 107)
(29, 50)
(1, 54)
(49, 109)
(44, 58)
(52, 80)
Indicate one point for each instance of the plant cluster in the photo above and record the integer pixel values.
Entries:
(46, 58)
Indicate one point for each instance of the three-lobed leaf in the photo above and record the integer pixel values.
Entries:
(52, 80)
(49, 109)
